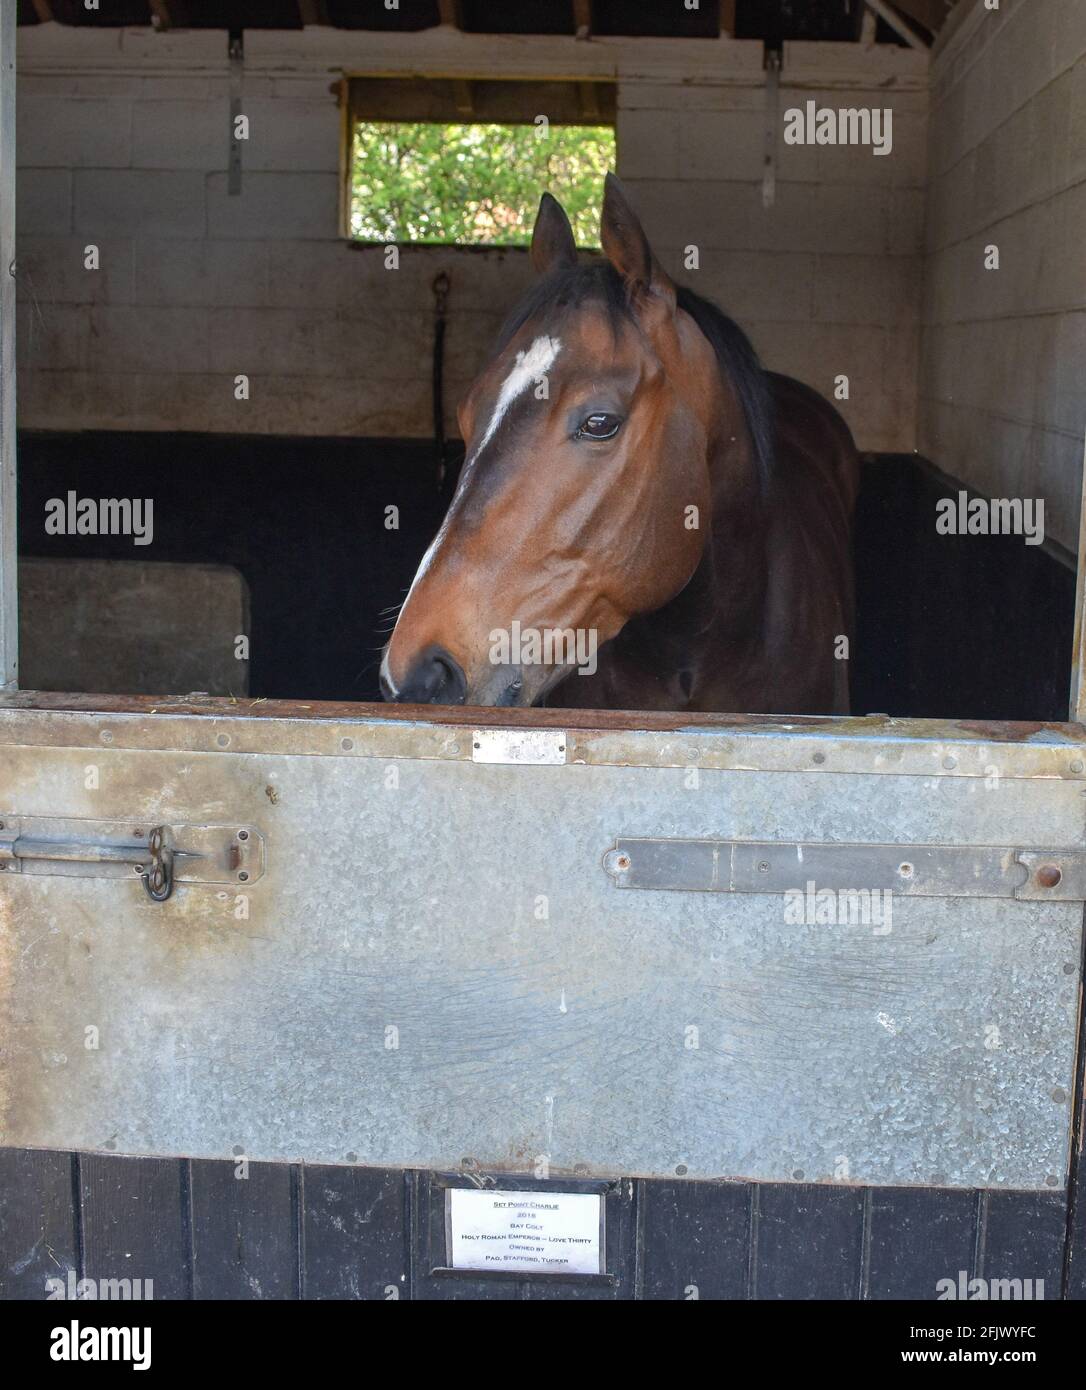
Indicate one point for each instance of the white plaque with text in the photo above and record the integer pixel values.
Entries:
(525, 1232)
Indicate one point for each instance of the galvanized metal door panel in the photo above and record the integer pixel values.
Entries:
(436, 965)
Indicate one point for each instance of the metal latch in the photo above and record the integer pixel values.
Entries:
(159, 857)
(773, 866)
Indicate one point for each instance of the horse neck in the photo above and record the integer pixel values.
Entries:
(736, 554)
(725, 597)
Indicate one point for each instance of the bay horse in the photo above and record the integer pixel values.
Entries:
(632, 473)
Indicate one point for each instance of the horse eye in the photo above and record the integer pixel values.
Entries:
(599, 426)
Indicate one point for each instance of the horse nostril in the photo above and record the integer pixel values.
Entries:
(435, 679)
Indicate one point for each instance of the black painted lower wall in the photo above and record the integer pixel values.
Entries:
(287, 1232)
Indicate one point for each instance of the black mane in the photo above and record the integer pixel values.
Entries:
(740, 364)
(734, 350)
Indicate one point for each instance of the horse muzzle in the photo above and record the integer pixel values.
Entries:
(434, 678)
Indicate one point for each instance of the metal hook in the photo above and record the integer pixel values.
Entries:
(158, 879)
(440, 288)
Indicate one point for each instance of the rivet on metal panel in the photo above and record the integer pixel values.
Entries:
(1076, 766)
(950, 763)
(346, 744)
(616, 862)
(818, 758)
(1059, 1095)
(105, 736)
(223, 740)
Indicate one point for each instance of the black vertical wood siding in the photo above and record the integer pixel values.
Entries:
(288, 1232)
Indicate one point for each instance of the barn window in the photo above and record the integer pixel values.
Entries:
(463, 163)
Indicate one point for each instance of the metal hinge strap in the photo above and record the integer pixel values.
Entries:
(773, 866)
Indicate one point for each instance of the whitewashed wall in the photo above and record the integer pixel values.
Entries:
(122, 142)
(1003, 379)
(828, 279)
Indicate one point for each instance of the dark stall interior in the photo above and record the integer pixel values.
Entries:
(947, 626)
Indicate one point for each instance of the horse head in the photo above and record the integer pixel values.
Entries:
(588, 438)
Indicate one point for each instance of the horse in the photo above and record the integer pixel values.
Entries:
(637, 486)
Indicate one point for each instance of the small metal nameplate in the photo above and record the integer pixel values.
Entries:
(524, 1232)
(533, 747)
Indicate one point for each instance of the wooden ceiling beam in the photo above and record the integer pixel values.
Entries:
(449, 12)
(727, 18)
(582, 18)
(313, 12)
(168, 14)
(900, 26)
(589, 97)
(464, 96)
(930, 13)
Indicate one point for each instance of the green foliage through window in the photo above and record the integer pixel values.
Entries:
(474, 185)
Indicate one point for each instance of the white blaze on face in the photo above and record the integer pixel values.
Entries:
(531, 364)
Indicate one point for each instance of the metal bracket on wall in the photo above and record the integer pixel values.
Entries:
(236, 54)
(925, 871)
(772, 103)
(159, 856)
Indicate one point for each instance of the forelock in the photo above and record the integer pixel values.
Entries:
(556, 294)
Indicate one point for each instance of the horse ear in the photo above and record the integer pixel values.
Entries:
(553, 246)
(627, 247)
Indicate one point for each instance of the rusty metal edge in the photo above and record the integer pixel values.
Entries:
(1077, 710)
(873, 743)
(578, 1173)
(9, 613)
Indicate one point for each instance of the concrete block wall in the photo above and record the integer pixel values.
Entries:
(827, 280)
(1002, 384)
(197, 285)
